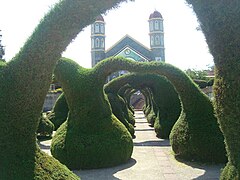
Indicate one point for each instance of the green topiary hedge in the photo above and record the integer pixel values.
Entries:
(146, 107)
(219, 21)
(163, 93)
(92, 137)
(123, 109)
(196, 134)
(168, 105)
(45, 127)
(30, 72)
(126, 92)
(59, 112)
(119, 109)
(153, 109)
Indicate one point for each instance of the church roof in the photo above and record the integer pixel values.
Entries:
(128, 41)
(155, 14)
(100, 18)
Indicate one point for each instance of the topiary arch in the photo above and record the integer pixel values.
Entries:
(219, 21)
(24, 82)
(164, 95)
(92, 137)
(195, 135)
(126, 92)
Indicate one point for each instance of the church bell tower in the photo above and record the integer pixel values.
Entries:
(156, 36)
(98, 40)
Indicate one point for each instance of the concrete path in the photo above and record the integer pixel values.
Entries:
(152, 159)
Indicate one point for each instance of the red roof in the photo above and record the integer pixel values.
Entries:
(155, 14)
(99, 18)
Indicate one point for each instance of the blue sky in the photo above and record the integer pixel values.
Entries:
(185, 46)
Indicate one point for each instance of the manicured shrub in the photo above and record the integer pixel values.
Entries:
(219, 21)
(146, 107)
(168, 105)
(152, 114)
(126, 92)
(162, 92)
(45, 127)
(196, 133)
(119, 109)
(151, 109)
(59, 112)
(30, 72)
(92, 137)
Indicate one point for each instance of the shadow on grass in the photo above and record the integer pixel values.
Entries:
(104, 173)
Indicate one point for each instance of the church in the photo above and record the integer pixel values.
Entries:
(127, 46)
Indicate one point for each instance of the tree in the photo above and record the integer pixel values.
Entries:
(197, 74)
(2, 50)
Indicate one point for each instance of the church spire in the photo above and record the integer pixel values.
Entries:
(98, 40)
(156, 33)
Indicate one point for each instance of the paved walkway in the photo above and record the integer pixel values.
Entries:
(152, 159)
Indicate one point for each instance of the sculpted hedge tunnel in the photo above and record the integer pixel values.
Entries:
(92, 137)
(24, 82)
(33, 65)
(196, 134)
(164, 95)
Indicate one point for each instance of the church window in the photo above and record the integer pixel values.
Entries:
(157, 40)
(157, 25)
(151, 25)
(161, 26)
(102, 28)
(102, 43)
(97, 43)
(96, 28)
(152, 41)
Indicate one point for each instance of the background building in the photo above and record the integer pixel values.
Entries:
(128, 46)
